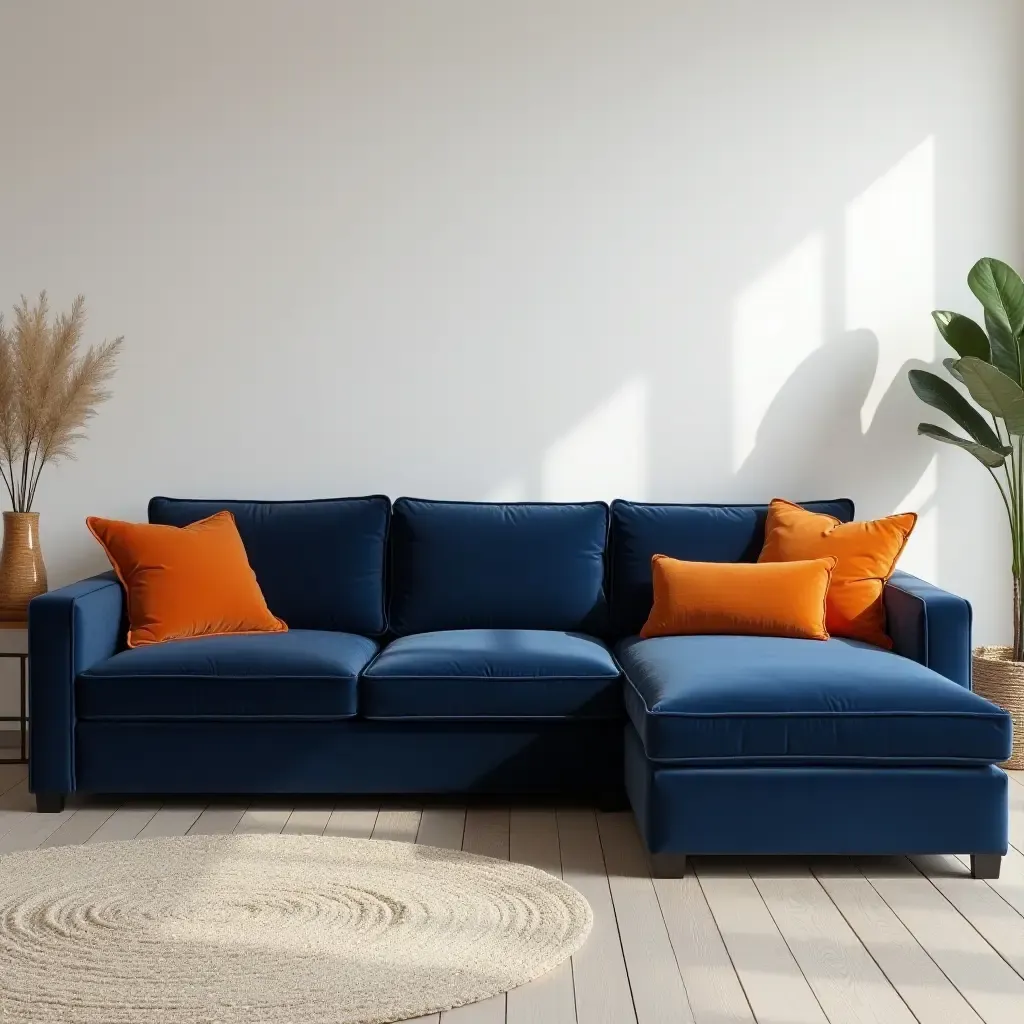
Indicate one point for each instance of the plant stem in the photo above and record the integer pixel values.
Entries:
(14, 483)
(1018, 626)
(1006, 505)
(42, 456)
(23, 489)
(1016, 619)
(37, 472)
(1011, 502)
(997, 426)
(33, 476)
(7, 484)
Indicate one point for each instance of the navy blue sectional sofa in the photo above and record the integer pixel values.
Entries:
(460, 648)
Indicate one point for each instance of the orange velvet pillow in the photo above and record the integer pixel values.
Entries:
(865, 553)
(785, 599)
(185, 581)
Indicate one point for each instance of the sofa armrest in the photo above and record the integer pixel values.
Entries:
(69, 630)
(930, 626)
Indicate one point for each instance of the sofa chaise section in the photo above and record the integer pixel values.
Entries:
(765, 745)
(736, 700)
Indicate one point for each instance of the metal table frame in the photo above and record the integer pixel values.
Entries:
(22, 718)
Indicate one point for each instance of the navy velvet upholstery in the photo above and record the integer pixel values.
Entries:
(696, 533)
(69, 631)
(581, 757)
(320, 564)
(492, 673)
(816, 810)
(500, 683)
(299, 674)
(466, 565)
(723, 699)
(929, 625)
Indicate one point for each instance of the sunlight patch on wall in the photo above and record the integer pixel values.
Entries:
(921, 555)
(890, 290)
(605, 454)
(778, 323)
(890, 267)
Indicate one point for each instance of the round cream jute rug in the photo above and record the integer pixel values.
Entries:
(275, 929)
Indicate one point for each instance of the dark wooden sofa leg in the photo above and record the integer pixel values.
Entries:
(985, 865)
(49, 803)
(668, 865)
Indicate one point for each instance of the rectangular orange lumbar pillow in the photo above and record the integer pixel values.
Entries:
(785, 599)
(185, 581)
(866, 554)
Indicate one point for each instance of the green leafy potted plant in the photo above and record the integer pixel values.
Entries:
(990, 365)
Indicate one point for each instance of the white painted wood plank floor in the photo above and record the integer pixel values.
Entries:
(767, 940)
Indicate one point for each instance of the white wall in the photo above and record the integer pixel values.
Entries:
(516, 248)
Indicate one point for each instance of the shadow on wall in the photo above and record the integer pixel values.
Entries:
(823, 450)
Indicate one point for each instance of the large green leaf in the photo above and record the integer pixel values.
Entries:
(985, 455)
(950, 365)
(1005, 352)
(963, 335)
(994, 392)
(941, 395)
(1000, 290)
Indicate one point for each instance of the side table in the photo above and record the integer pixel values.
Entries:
(14, 644)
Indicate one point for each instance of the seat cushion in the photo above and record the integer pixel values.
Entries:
(494, 674)
(477, 565)
(692, 533)
(299, 674)
(320, 564)
(728, 699)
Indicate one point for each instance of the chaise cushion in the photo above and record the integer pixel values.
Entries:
(773, 700)
(300, 674)
(492, 674)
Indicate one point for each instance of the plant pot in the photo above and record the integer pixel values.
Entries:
(1000, 679)
(22, 573)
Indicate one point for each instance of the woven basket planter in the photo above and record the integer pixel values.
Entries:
(1000, 679)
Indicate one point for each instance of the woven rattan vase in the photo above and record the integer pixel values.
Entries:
(22, 573)
(1000, 679)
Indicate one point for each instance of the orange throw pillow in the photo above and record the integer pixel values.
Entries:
(185, 581)
(865, 553)
(785, 599)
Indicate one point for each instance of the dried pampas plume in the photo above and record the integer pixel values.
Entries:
(48, 391)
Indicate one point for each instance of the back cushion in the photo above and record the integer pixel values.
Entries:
(320, 564)
(694, 533)
(465, 565)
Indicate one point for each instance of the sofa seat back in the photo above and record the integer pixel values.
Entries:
(468, 565)
(320, 564)
(301, 674)
(696, 533)
(481, 674)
